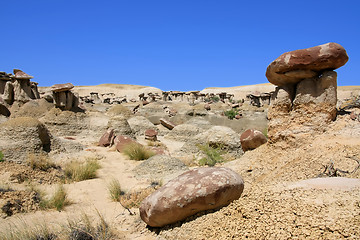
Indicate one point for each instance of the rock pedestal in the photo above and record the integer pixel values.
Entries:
(305, 100)
(17, 87)
(63, 97)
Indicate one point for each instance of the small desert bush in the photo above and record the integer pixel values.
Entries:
(40, 161)
(212, 154)
(115, 190)
(79, 171)
(1, 156)
(265, 132)
(230, 114)
(58, 201)
(137, 152)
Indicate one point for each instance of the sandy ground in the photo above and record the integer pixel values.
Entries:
(279, 202)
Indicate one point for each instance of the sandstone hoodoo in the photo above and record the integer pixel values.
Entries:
(292, 67)
(251, 139)
(192, 192)
(63, 97)
(305, 100)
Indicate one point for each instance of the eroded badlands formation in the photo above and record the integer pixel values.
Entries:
(277, 163)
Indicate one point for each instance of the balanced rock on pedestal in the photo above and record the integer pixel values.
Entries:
(292, 67)
(63, 97)
(305, 100)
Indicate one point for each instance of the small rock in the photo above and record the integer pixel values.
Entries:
(107, 139)
(251, 139)
(167, 124)
(151, 134)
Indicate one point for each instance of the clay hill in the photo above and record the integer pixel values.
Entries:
(270, 161)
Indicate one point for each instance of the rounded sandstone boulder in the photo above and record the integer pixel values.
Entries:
(251, 139)
(191, 192)
(292, 67)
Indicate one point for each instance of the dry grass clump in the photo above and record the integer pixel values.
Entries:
(136, 151)
(79, 171)
(115, 190)
(134, 198)
(119, 110)
(84, 228)
(40, 161)
(58, 201)
(155, 144)
(37, 232)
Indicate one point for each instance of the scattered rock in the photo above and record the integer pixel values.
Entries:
(121, 141)
(151, 134)
(107, 139)
(140, 124)
(192, 192)
(169, 125)
(251, 139)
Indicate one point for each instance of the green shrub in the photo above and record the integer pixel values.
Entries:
(79, 171)
(1, 156)
(231, 113)
(136, 151)
(212, 155)
(58, 201)
(115, 190)
(265, 132)
(40, 161)
(215, 99)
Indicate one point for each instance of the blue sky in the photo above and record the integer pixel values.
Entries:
(172, 44)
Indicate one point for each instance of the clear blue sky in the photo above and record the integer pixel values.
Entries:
(170, 44)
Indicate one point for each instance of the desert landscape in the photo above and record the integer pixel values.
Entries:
(113, 161)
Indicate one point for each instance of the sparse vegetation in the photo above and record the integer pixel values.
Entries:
(40, 161)
(36, 232)
(115, 190)
(58, 201)
(1, 156)
(85, 229)
(136, 151)
(82, 229)
(265, 132)
(79, 171)
(212, 154)
(134, 198)
(230, 114)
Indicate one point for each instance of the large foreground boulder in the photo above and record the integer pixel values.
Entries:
(192, 192)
